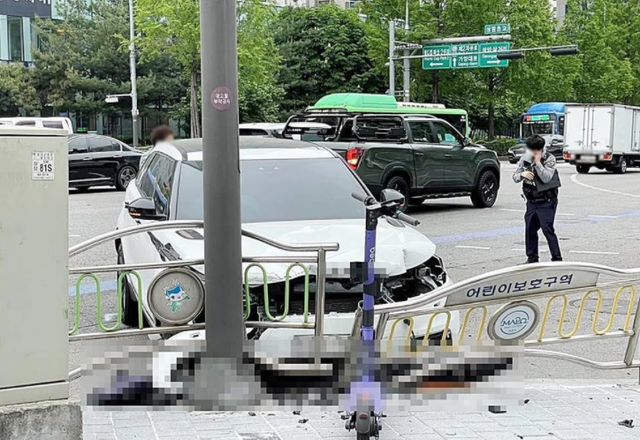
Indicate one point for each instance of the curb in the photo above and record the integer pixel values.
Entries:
(50, 420)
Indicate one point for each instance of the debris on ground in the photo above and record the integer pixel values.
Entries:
(252, 414)
(303, 420)
(626, 423)
(296, 413)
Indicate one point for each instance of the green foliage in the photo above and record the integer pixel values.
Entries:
(16, 92)
(324, 50)
(499, 145)
(258, 63)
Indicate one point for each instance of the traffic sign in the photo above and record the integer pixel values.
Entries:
(464, 56)
(497, 29)
(489, 54)
(439, 57)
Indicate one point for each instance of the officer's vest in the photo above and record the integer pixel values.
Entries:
(531, 191)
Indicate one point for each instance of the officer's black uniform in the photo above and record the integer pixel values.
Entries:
(541, 213)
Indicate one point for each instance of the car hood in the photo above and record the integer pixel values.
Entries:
(398, 248)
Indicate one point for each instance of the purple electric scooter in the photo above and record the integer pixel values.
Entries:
(366, 394)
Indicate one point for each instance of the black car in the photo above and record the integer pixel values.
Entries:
(96, 160)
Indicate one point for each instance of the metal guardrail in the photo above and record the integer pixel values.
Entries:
(254, 262)
(576, 277)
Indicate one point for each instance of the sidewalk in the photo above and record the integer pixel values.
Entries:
(553, 411)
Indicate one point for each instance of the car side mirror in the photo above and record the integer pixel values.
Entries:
(391, 197)
(144, 209)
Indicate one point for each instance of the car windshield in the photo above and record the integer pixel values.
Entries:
(531, 128)
(280, 190)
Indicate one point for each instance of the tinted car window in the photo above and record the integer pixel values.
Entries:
(421, 131)
(253, 132)
(445, 134)
(30, 123)
(99, 144)
(159, 181)
(78, 145)
(280, 190)
(52, 124)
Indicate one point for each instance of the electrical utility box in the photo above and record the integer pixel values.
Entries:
(34, 264)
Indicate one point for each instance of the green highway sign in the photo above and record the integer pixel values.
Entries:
(497, 29)
(489, 54)
(439, 59)
(464, 56)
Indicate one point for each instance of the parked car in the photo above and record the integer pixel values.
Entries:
(52, 122)
(261, 129)
(96, 160)
(318, 208)
(554, 144)
(420, 156)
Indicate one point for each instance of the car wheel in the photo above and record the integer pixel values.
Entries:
(83, 189)
(402, 186)
(622, 167)
(486, 192)
(582, 169)
(129, 305)
(126, 174)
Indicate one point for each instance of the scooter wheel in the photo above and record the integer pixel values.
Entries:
(362, 436)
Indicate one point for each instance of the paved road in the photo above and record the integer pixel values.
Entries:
(598, 221)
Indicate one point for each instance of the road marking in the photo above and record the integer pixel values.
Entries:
(602, 216)
(574, 179)
(594, 252)
(522, 211)
(74, 235)
(474, 247)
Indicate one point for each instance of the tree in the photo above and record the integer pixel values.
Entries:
(16, 93)
(324, 50)
(607, 33)
(258, 62)
(173, 27)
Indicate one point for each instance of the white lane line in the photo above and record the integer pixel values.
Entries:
(474, 247)
(602, 216)
(594, 252)
(74, 235)
(574, 179)
(522, 211)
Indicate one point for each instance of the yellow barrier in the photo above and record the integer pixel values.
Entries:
(594, 324)
(466, 321)
(445, 330)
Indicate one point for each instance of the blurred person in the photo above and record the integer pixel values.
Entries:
(540, 182)
(161, 133)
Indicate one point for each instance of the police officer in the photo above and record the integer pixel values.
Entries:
(536, 169)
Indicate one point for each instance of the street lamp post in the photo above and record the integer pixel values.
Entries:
(132, 67)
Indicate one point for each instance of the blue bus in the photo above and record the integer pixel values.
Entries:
(545, 118)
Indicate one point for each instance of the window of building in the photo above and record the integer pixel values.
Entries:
(14, 27)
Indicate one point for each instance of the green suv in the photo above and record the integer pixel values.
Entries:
(422, 157)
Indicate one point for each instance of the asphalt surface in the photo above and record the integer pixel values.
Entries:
(598, 221)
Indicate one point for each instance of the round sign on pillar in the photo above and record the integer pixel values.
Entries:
(514, 321)
(221, 98)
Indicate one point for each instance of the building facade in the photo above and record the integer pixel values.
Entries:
(17, 32)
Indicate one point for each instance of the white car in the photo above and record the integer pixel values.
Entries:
(293, 192)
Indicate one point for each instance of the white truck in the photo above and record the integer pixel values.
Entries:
(605, 136)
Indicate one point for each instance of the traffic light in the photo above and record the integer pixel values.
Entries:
(562, 51)
(514, 55)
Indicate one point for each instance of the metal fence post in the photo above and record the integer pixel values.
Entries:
(320, 291)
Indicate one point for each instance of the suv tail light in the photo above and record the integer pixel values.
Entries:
(606, 156)
(567, 156)
(353, 157)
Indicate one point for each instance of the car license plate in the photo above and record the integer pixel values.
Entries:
(588, 159)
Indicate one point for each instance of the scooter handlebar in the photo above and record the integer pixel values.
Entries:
(407, 219)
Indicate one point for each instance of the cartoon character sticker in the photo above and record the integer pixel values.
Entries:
(175, 296)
